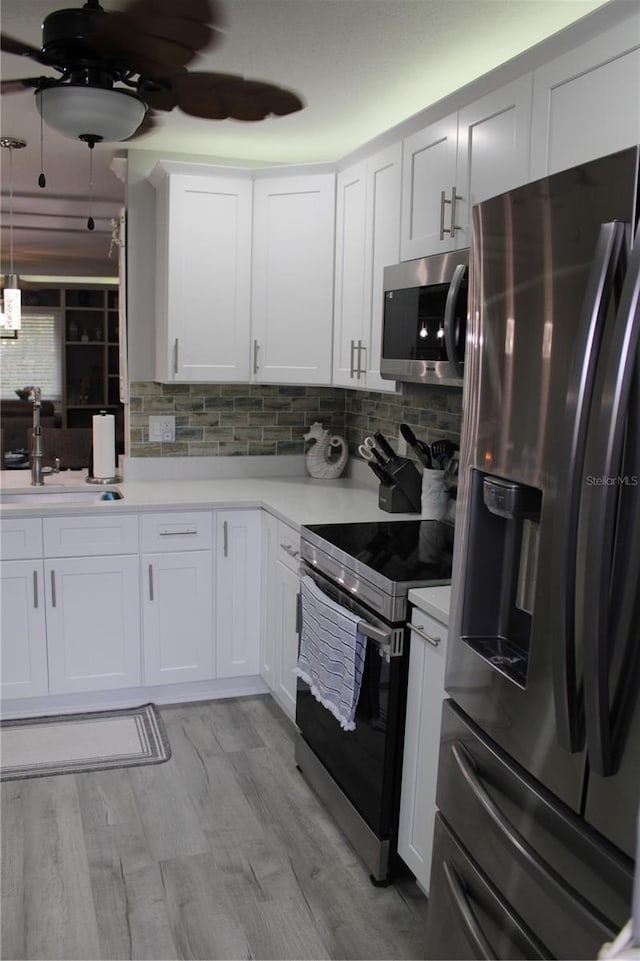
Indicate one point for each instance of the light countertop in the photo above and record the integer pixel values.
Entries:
(433, 600)
(296, 500)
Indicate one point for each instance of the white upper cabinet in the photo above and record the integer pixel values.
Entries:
(203, 251)
(292, 278)
(586, 103)
(367, 241)
(478, 152)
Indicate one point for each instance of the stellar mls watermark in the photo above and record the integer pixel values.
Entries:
(616, 480)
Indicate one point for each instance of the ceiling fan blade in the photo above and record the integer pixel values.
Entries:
(20, 49)
(17, 86)
(218, 96)
(159, 37)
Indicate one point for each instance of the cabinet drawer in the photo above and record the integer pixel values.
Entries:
(288, 546)
(182, 531)
(20, 538)
(87, 535)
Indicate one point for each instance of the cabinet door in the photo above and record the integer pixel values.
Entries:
(177, 616)
(286, 590)
(238, 580)
(23, 641)
(292, 282)
(349, 301)
(586, 103)
(280, 593)
(382, 244)
(425, 694)
(93, 623)
(428, 169)
(493, 149)
(203, 278)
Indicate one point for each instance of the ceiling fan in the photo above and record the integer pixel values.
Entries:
(118, 69)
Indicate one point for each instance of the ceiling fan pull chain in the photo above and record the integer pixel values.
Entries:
(42, 180)
(90, 221)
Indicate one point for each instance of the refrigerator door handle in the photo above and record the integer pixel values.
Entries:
(606, 266)
(450, 316)
(481, 947)
(601, 623)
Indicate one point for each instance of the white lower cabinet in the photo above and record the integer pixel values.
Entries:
(281, 587)
(93, 623)
(425, 694)
(177, 597)
(237, 587)
(24, 670)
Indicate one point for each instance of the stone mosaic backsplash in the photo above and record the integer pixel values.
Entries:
(256, 419)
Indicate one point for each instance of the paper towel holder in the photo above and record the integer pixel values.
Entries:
(90, 479)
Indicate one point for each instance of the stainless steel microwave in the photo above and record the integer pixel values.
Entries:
(424, 324)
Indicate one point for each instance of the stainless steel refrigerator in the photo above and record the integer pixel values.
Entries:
(539, 769)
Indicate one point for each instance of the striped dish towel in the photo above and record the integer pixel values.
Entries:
(332, 653)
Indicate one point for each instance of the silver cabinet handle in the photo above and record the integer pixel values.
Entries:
(291, 551)
(359, 370)
(256, 348)
(178, 532)
(420, 631)
(225, 531)
(35, 589)
(454, 198)
(53, 588)
(352, 366)
(150, 582)
(443, 202)
(175, 356)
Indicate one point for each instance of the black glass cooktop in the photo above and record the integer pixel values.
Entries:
(402, 551)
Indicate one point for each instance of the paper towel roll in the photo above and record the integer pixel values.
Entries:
(104, 445)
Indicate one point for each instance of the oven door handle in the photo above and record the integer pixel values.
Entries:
(389, 640)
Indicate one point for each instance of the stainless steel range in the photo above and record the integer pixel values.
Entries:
(368, 568)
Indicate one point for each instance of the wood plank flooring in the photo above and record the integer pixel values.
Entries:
(221, 852)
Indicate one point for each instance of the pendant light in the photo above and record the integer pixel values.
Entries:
(11, 291)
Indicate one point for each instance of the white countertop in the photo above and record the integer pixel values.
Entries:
(297, 500)
(432, 600)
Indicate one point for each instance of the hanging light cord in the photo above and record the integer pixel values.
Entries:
(90, 221)
(11, 210)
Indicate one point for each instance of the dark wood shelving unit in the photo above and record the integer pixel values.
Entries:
(91, 356)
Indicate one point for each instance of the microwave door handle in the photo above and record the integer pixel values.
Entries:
(607, 261)
(450, 317)
(597, 531)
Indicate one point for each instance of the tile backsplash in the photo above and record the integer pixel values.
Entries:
(256, 419)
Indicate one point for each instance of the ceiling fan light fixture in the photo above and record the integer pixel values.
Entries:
(82, 112)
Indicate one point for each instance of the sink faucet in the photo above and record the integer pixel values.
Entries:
(38, 472)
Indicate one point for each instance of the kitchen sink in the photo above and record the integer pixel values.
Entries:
(38, 496)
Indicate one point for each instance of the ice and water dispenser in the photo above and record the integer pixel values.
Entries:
(500, 573)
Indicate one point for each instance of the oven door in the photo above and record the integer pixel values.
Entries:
(364, 763)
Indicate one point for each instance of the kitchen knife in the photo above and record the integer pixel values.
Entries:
(384, 445)
(380, 473)
(423, 451)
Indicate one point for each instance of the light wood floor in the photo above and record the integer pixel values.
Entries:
(222, 852)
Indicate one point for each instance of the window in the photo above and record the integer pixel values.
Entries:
(35, 356)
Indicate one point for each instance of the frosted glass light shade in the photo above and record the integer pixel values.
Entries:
(78, 111)
(12, 304)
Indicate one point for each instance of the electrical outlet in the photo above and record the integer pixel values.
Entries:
(162, 428)
(401, 445)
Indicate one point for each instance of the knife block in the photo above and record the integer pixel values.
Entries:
(402, 493)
